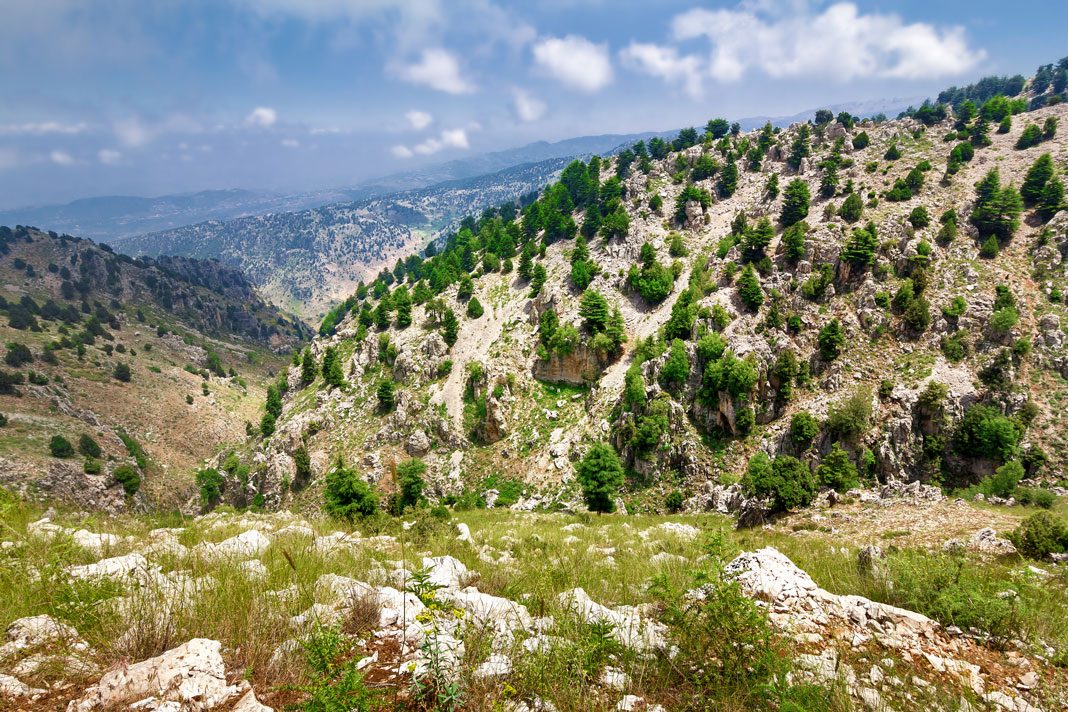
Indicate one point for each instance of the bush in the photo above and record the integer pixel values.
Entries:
(347, 495)
(91, 466)
(853, 208)
(122, 372)
(919, 218)
(88, 447)
(803, 429)
(850, 416)
(787, 481)
(674, 502)
(128, 478)
(836, 471)
(1040, 535)
(474, 308)
(17, 354)
(60, 447)
(831, 340)
(385, 394)
(267, 423)
(796, 199)
(410, 480)
(892, 153)
(985, 432)
(210, 482)
(1003, 481)
(749, 289)
(600, 475)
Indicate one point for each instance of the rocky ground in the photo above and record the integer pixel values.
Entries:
(218, 612)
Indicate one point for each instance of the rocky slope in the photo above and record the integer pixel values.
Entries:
(158, 362)
(503, 404)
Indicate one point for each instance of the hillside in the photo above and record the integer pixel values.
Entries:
(308, 260)
(718, 379)
(170, 353)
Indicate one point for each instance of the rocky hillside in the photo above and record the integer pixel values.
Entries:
(308, 260)
(121, 371)
(849, 302)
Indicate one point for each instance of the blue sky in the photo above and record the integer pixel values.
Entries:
(146, 98)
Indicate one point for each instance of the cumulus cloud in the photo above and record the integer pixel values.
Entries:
(61, 158)
(840, 43)
(438, 69)
(108, 156)
(664, 62)
(575, 62)
(419, 120)
(527, 106)
(448, 138)
(262, 117)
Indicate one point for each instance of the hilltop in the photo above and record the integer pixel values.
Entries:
(143, 364)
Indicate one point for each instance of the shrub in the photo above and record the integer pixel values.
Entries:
(1004, 319)
(17, 354)
(91, 466)
(836, 471)
(347, 495)
(919, 218)
(674, 502)
(600, 475)
(122, 372)
(985, 432)
(853, 208)
(850, 416)
(861, 141)
(267, 423)
(787, 481)
(410, 479)
(803, 429)
(831, 340)
(474, 308)
(210, 482)
(1040, 535)
(385, 394)
(87, 446)
(1003, 481)
(677, 367)
(60, 447)
(129, 478)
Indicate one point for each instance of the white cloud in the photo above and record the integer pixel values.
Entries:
(132, 132)
(449, 138)
(419, 120)
(45, 127)
(290, 143)
(438, 69)
(527, 106)
(109, 156)
(575, 62)
(664, 62)
(840, 43)
(61, 158)
(262, 117)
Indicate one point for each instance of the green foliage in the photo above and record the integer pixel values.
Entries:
(851, 416)
(410, 480)
(451, 325)
(474, 308)
(347, 495)
(836, 471)
(87, 446)
(919, 218)
(893, 153)
(1003, 481)
(274, 401)
(60, 447)
(210, 483)
(793, 240)
(122, 372)
(267, 423)
(862, 246)
(332, 372)
(1040, 535)
(749, 288)
(129, 478)
(674, 502)
(1036, 179)
(795, 205)
(1031, 136)
(852, 208)
(985, 432)
(386, 394)
(831, 340)
(677, 367)
(917, 314)
(803, 429)
(336, 683)
(787, 481)
(308, 368)
(652, 280)
(600, 475)
(997, 208)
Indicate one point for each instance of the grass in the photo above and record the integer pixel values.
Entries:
(528, 558)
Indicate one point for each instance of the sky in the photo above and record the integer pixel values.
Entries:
(137, 97)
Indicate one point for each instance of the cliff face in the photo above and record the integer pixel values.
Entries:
(582, 366)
